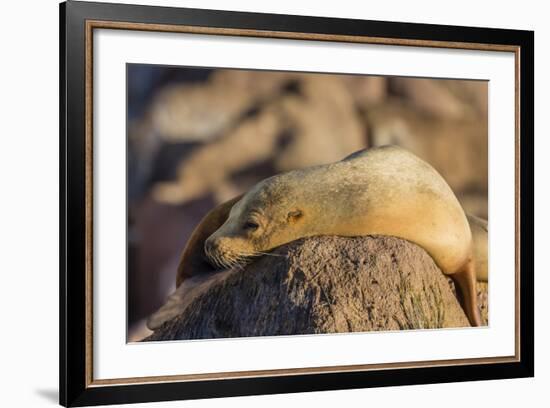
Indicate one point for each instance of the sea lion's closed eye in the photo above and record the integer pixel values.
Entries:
(294, 215)
(251, 225)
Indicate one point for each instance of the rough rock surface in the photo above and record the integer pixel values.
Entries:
(324, 285)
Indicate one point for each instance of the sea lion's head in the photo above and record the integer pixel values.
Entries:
(266, 217)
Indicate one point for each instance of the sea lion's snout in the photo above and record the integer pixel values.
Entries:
(214, 251)
(224, 252)
(214, 248)
(210, 245)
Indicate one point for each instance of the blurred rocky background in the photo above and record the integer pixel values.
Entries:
(198, 137)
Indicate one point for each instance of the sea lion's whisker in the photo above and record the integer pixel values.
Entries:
(226, 264)
(232, 260)
(229, 263)
(234, 263)
(242, 259)
(216, 262)
(219, 262)
(270, 254)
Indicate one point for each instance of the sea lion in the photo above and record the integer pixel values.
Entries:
(378, 191)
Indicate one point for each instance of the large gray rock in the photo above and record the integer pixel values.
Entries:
(323, 285)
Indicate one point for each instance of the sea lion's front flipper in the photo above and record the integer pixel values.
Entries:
(465, 282)
(193, 260)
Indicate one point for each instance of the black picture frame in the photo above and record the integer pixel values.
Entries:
(76, 387)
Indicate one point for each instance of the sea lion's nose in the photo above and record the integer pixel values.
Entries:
(209, 245)
(213, 244)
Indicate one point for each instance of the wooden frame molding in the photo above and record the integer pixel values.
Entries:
(78, 21)
(98, 24)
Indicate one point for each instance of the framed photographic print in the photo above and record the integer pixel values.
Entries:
(256, 203)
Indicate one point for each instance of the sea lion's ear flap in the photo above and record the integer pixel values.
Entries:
(294, 216)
